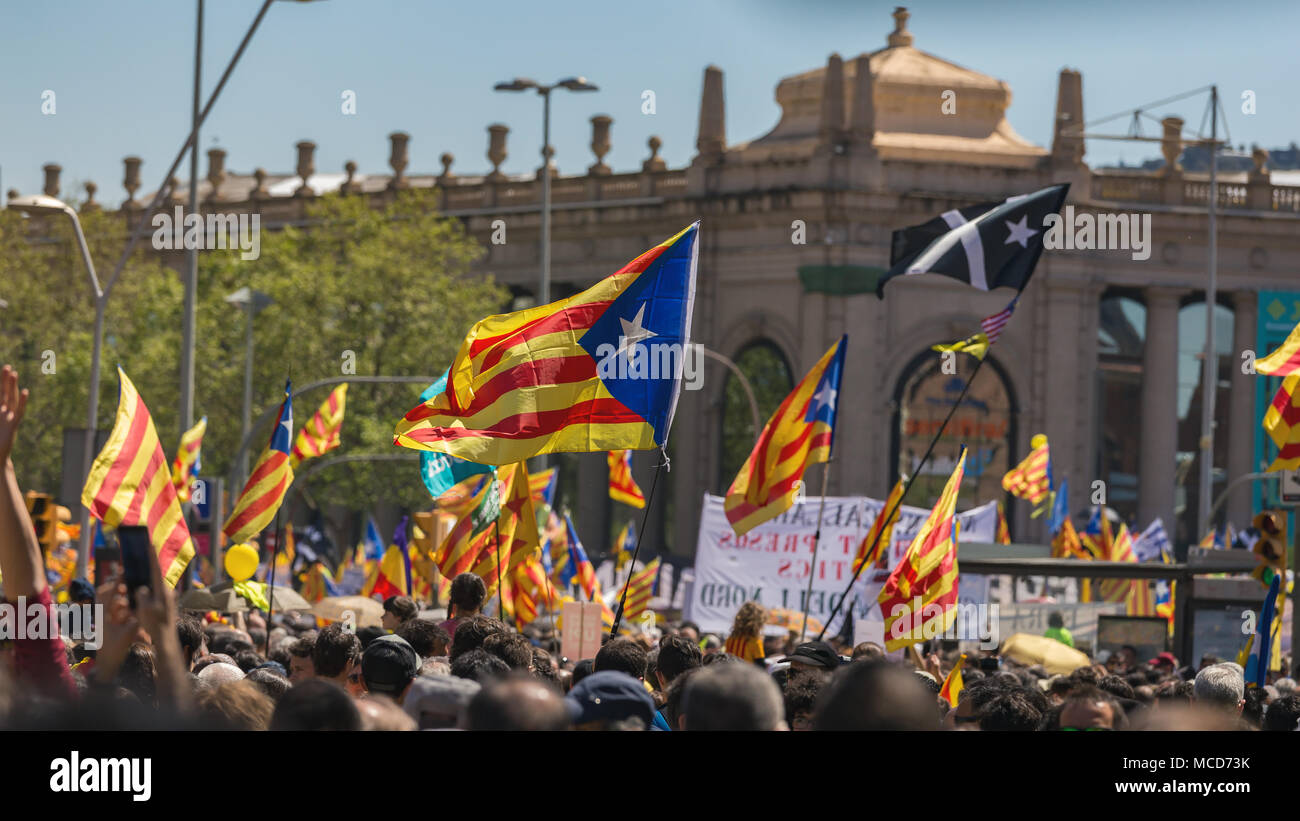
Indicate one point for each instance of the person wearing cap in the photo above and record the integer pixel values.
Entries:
(437, 702)
(814, 656)
(397, 611)
(1165, 662)
(610, 700)
(388, 666)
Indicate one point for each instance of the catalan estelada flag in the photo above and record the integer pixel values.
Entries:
(321, 433)
(799, 434)
(639, 590)
(579, 570)
(129, 484)
(874, 549)
(268, 483)
(317, 584)
(622, 487)
(543, 484)
(515, 537)
(598, 371)
(1282, 423)
(187, 464)
(1285, 361)
(1066, 543)
(920, 598)
(460, 548)
(1031, 478)
(953, 685)
(1004, 532)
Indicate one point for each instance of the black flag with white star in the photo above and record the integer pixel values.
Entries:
(987, 246)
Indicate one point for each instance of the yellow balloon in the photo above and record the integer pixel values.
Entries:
(241, 562)
(1038, 441)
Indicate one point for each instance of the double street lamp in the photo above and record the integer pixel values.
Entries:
(524, 84)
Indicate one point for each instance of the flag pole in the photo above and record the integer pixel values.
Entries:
(907, 487)
(270, 585)
(812, 566)
(622, 600)
(501, 598)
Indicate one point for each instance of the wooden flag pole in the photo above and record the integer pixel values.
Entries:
(812, 564)
(654, 483)
(889, 514)
(270, 585)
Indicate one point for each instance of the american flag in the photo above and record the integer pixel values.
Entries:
(993, 325)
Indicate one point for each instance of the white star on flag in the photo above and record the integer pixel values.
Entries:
(1020, 232)
(824, 397)
(634, 331)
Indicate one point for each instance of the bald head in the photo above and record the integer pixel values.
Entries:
(520, 703)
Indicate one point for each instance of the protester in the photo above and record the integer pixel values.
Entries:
(732, 697)
(388, 666)
(518, 702)
(316, 704)
(466, 597)
(746, 638)
(398, 610)
(1056, 629)
(610, 700)
(335, 656)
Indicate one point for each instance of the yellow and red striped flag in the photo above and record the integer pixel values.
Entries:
(1282, 423)
(1029, 479)
(463, 542)
(953, 684)
(874, 549)
(1066, 543)
(187, 464)
(639, 590)
(599, 371)
(1285, 361)
(919, 600)
(622, 487)
(799, 434)
(268, 483)
(1135, 593)
(516, 537)
(541, 485)
(129, 484)
(1004, 532)
(321, 433)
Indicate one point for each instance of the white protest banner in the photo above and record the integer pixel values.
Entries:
(771, 563)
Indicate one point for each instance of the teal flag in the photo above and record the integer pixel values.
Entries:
(438, 470)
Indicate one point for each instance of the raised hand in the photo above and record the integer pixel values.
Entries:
(13, 404)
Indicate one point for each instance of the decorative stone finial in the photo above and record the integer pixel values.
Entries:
(398, 159)
(712, 139)
(900, 35)
(90, 204)
(446, 159)
(306, 166)
(497, 149)
(862, 117)
(350, 185)
(259, 190)
(1171, 143)
(832, 113)
(131, 181)
(52, 171)
(600, 143)
(174, 191)
(654, 162)
(216, 172)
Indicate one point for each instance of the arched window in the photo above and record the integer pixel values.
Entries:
(1189, 508)
(1121, 344)
(771, 381)
(984, 423)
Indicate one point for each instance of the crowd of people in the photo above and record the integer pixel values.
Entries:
(148, 666)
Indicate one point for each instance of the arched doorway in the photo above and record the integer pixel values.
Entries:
(765, 366)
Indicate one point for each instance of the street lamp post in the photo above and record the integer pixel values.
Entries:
(252, 302)
(523, 84)
(192, 254)
(41, 204)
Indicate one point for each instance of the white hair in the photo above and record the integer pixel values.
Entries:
(219, 673)
(1223, 684)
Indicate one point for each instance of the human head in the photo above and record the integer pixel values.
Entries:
(814, 656)
(335, 652)
(800, 698)
(1010, 710)
(749, 620)
(427, 638)
(732, 697)
(676, 656)
(1087, 708)
(235, 705)
(868, 650)
(1055, 620)
(610, 700)
(438, 702)
(301, 667)
(381, 713)
(397, 611)
(623, 655)
(220, 673)
(875, 695)
(1282, 714)
(478, 665)
(269, 682)
(518, 702)
(194, 644)
(512, 648)
(388, 666)
(466, 596)
(316, 704)
(1221, 685)
(471, 632)
(689, 631)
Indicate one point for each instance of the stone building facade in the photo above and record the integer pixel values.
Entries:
(1096, 356)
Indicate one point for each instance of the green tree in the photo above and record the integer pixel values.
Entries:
(389, 288)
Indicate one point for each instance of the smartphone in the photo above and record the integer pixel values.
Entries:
(133, 540)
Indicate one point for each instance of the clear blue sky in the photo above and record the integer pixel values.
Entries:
(123, 73)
